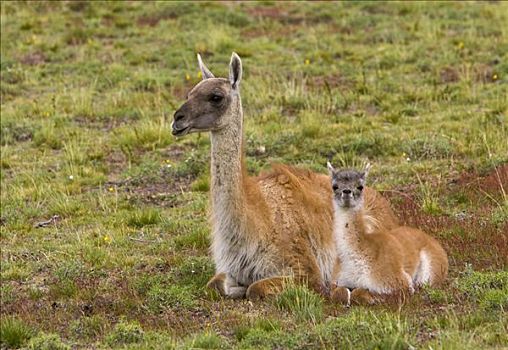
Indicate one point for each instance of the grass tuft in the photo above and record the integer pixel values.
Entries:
(303, 303)
(144, 217)
(14, 333)
(125, 333)
(207, 340)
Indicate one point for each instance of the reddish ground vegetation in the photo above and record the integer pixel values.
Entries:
(271, 12)
(467, 237)
(493, 183)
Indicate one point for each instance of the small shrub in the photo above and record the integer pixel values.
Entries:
(206, 341)
(301, 302)
(436, 296)
(47, 342)
(126, 333)
(88, 327)
(495, 299)
(489, 289)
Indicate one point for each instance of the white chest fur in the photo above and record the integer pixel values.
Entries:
(355, 270)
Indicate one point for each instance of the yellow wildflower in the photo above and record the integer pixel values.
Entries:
(307, 61)
(107, 239)
(187, 76)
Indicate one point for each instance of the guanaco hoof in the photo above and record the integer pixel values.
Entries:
(360, 296)
(341, 295)
(266, 287)
(218, 282)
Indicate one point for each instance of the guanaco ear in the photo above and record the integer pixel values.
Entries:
(331, 169)
(235, 70)
(205, 72)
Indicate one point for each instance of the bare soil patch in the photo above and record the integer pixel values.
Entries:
(163, 190)
(103, 123)
(331, 81)
(34, 58)
(449, 75)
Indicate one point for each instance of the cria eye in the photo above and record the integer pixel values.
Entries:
(360, 188)
(335, 187)
(216, 98)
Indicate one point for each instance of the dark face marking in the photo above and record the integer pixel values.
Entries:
(206, 103)
(347, 186)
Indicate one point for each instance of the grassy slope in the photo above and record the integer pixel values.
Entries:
(88, 91)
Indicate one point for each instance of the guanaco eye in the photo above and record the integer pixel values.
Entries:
(335, 187)
(360, 188)
(216, 98)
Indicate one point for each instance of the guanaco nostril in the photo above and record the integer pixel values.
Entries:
(346, 191)
(178, 116)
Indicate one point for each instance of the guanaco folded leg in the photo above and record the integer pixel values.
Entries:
(218, 283)
(341, 295)
(226, 286)
(266, 287)
(360, 296)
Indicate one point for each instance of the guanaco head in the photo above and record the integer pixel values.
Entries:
(209, 104)
(347, 186)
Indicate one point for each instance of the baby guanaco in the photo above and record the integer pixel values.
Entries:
(372, 261)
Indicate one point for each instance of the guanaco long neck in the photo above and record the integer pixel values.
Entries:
(227, 167)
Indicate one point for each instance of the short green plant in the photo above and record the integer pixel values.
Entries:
(301, 302)
(47, 342)
(207, 340)
(14, 333)
(125, 333)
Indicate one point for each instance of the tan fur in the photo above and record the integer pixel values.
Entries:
(390, 260)
(269, 228)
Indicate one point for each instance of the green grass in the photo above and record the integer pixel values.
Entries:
(14, 333)
(88, 91)
(304, 304)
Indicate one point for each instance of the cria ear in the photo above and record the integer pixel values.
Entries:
(205, 72)
(331, 169)
(366, 170)
(235, 70)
